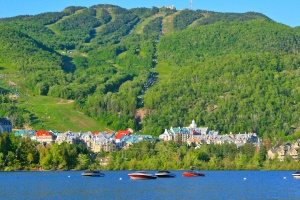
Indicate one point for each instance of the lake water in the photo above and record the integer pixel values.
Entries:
(117, 185)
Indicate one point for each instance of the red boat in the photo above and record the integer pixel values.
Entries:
(192, 173)
(141, 175)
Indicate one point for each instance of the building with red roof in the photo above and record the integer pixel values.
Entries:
(44, 136)
(124, 132)
(121, 134)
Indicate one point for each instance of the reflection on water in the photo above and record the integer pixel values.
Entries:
(117, 185)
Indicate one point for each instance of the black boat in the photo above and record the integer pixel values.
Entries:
(296, 174)
(164, 174)
(93, 173)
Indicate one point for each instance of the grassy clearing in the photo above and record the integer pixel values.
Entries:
(164, 70)
(140, 26)
(168, 23)
(122, 55)
(8, 73)
(48, 113)
(56, 114)
(195, 23)
(53, 28)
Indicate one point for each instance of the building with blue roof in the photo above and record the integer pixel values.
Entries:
(24, 133)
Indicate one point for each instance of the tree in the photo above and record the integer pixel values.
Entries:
(83, 161)
(30, 158)
(203, 156)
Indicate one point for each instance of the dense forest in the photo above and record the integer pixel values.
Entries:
(231, 72)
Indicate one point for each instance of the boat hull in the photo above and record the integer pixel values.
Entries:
(192, 174)
(141, 176)
(166, 176)
(296, 174)
(92, 174)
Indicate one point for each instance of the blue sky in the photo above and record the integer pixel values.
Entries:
(282, 11)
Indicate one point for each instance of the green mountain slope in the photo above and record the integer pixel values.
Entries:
(231, 72)
(227, 38)
(231, 93)
(25, 53)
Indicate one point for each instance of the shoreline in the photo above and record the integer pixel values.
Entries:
(152, 170)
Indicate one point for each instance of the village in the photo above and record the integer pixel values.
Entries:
(110, 141)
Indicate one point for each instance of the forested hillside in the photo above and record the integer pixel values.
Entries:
(231, 72)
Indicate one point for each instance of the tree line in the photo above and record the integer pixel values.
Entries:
(21, 153)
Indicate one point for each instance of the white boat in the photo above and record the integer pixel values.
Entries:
(93, 173)
(296, 174)
(141, 175)
(164, 174)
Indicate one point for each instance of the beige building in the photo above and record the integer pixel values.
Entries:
(283, 150)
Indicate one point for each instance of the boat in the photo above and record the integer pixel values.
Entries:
(164, 174)
(93, 173)
(192, 173)
(296, 174)
(141, 175)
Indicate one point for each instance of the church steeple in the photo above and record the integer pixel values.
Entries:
(193, 124)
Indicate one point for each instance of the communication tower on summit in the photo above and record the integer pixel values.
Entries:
(191, 4)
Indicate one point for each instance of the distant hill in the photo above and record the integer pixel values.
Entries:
(231, 72)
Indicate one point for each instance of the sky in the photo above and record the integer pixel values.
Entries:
(282, 11)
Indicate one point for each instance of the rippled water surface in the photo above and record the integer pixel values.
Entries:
(117, 185)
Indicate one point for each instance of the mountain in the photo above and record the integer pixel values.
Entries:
(152, 68)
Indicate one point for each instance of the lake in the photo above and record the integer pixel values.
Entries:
(117, 185)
